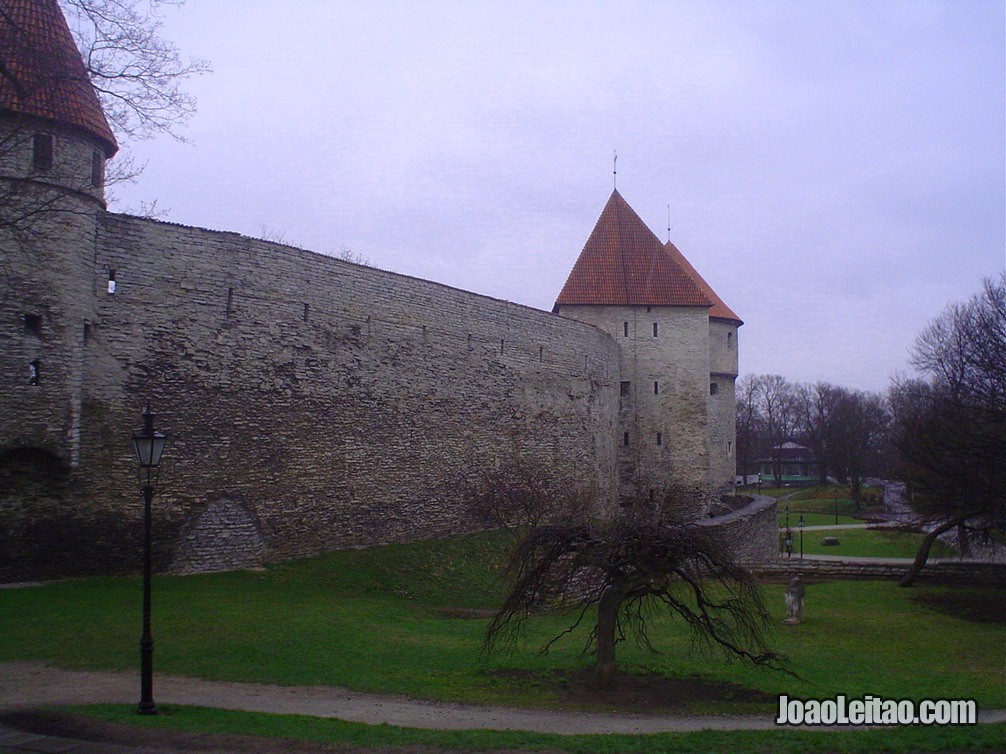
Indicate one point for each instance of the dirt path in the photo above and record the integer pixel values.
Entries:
(31, 684)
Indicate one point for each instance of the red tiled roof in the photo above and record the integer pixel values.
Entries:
(624, 264)
(719, 310)
(41, 72)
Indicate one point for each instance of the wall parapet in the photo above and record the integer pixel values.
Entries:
(938, 572)
(750, 532)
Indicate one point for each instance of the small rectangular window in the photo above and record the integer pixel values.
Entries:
(656, 388)
(34, 368)
(623, 388)
(33, 324)
(660, 439)
(625, 439)
(654, 329)
(307, 311)
(625, 329)
(111, 281)
(730, 340)
(41, 151)
(230, 303)
(713, 388)
(97, 169)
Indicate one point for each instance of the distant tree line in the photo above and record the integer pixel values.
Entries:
(942, 432)
(847, 430)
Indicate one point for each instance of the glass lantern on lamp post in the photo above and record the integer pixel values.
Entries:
(148, 444)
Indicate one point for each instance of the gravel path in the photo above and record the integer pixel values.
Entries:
(31, 684)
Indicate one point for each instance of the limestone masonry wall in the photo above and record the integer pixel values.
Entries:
(312, 403)
(751, 532)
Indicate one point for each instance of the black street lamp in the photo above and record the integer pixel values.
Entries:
(800, 523)
(148, 445)
(789, 535)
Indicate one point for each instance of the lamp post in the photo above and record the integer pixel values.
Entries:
(789, 535)
(148, 445)
(800, 523)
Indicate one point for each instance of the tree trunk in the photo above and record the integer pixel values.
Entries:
(607, 624)
(922, 555)
(963, 540)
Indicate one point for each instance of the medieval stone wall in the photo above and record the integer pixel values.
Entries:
(322, 403)
(751, 533)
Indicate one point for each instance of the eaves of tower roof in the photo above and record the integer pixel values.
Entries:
(624, 264)
(41, 71)
(719, 310)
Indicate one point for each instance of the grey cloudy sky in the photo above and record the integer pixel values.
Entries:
(834, 168)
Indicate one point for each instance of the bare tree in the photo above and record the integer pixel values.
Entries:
(750, 425)
(137, 74)
(776, 398)
(950, 429)
(518, 493)
(627, 570)
(816, 409)
(856, 436)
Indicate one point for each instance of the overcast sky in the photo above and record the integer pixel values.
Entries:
(834, 169)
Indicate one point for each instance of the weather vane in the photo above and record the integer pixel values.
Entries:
(614, 169)
(668, 223)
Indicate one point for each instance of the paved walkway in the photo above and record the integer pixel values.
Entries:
(26, 685)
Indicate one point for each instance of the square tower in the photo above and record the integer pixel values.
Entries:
(678, 348)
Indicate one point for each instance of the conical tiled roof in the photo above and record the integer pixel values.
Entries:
(719, 310)
(41, 72)
(624, 264)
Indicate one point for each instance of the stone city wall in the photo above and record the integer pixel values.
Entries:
(751, 532)
(312, 403)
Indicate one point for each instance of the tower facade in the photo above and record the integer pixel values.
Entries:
(54, 141)
(678, 362)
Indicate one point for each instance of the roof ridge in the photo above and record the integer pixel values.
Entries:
(623, 263)
(719, 309)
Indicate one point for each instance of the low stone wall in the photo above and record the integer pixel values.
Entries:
(751, 532)
(939, 572)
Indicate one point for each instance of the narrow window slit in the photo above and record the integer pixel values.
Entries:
(33, 324)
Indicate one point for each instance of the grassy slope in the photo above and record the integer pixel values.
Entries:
(379, 620)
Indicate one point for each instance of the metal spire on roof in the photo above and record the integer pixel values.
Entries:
(668, 223)
(614, 170)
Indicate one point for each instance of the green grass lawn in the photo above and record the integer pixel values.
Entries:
(410, 619)
(814, 519)
(867, 543)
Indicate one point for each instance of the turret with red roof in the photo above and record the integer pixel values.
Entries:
(678, 343)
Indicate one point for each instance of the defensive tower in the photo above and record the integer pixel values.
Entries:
(678, 344)
(54, 141)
